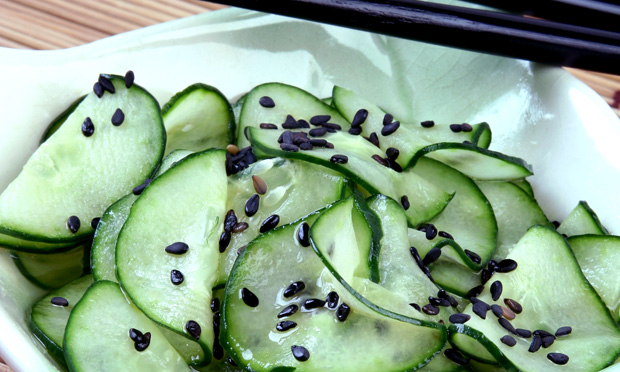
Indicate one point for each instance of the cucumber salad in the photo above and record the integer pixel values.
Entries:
(288, 232)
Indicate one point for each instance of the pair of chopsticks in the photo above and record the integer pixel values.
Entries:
(575, 33)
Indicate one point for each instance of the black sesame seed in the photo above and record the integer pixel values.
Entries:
(558, 358)
(404, 201)
(73, 223)
(456, 128)
(466, 127)
(563, 331)
(356, 131)
(380, 160)
(88, 128)
(269, 223)
(251, 206)
(231, 362)
(506, 266)
(218, 350)
(394, 165)
(266, 101)
(428, 124)
(293, 289)
(480, 308)
(95, 222)
(98, 90)
(303, 124)
(332, 300)
(224, 240)
(289, 147)
(536, 344)
(444, 234)
(140, 188)
(420, 262)
(318, 142)
(329, 145)
(474, 292)
(430, 309)
(541, 333)
(497, 310)
(513, 305)
(415, 306)
(432, 256)
(143, 345)
(485, 275)
(313, 303)
(288, 311)
(547, 340)
(300, 353)
(59, 301)
(331, 127)
(177, 248)
(106, 84)
(459, 318)
(303, 236)
(319, 119)
(508, 340)
(496, 290)
(343, 312)
(438, 301)
(285, 325)
(556, 224)
(317, 132)
(135, 335)
(507, 325)
(230, 220)
(339, 159)
(240, 227)
(359, 118)
(215, 304)
(466, 142)
(473, 256)
(373, 138)
(249, 298)
(431, 231)
(118, 117)
(390, 128)
(176, 277)
(267, 126)
(129, 79)
(455, 356)
(387, 119)
(286, 137)
(524, 333)
(392, 153)
(194, 329)
(290, 123)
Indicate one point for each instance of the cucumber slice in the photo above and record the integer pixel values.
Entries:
(60, 119)
(48, 321)
(249, 333)
(409, 138)
(71, 174)
(288, 100)
(198, 118)
(294, 189)
(553, 293)
(53, 270)
(426, 200)
(186, 204)
(525, 186)
(97, 335)
(599, 259)
(582, 220)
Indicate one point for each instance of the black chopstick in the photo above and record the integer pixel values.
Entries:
(472, 29)
(602, 15)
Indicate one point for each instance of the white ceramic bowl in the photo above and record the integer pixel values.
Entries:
(541, 114)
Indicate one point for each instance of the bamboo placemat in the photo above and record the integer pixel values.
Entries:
(54, 24)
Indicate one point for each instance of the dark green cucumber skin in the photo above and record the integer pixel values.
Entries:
(81, 236)
(60, 119)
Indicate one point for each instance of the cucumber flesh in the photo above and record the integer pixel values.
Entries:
(288, 100)
(426, 200)
(186, 204)
(53, 270)
(97, 335)
(582, 220)
(198, 118)
(294, 189)
(48, 321)
(252, 340)
(60, 119)
(72, 174)
(553, 293)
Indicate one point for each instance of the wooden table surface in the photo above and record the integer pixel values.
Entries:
(54, 24)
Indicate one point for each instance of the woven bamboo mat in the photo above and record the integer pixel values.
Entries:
(54, 24)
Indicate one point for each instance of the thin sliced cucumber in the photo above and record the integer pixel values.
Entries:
(23, 245)
(426, 200)
(294, 189)
(184, 205)
(582, 220)
(53, 270)
(250, 334)
(525, 185)
(288, 100)
(553, 293)
(198, 118)
(599, 259)
(60, 119)
(48, 321)
(97, 336)
(72, 174)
